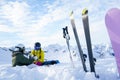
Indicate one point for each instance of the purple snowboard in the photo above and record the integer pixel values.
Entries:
(112, 20)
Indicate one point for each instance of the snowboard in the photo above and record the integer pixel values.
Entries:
(112, 21)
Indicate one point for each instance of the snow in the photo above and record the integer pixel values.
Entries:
(105, 65)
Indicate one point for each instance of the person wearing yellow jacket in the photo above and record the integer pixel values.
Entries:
(37, 54)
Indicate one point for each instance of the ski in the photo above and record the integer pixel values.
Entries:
(88, 41)
(78, 43)
(67, 37)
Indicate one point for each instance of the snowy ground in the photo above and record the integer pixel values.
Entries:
(105, 65)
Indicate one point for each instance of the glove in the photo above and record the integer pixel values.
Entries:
(35, 57)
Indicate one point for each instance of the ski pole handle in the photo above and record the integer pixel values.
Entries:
(64, 32)
(66, 28)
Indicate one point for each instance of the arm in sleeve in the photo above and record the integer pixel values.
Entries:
(26, 61)
(32, 53)
(42, 56)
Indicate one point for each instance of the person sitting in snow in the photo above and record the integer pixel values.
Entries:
(18, 57)
(37, 54)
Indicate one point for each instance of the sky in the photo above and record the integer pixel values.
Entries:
(30, 21)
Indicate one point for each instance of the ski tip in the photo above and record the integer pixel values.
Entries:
(85, 11)
(71, 15)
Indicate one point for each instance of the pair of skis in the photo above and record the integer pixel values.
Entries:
(88, 41)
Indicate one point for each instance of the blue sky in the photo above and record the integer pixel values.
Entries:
(28, 21)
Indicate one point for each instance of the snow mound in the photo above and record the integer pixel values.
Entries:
(105, 65)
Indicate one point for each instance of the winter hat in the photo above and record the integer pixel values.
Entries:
(19, 47)
(37, 46)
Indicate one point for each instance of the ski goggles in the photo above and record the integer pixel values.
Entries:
(37, 48)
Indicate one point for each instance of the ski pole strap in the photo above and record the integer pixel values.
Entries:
(67, 37)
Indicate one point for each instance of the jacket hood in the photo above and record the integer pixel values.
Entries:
(16, 53)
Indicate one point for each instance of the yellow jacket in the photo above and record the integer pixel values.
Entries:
(39, 54)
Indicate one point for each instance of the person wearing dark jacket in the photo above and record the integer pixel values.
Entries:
(18, 57)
